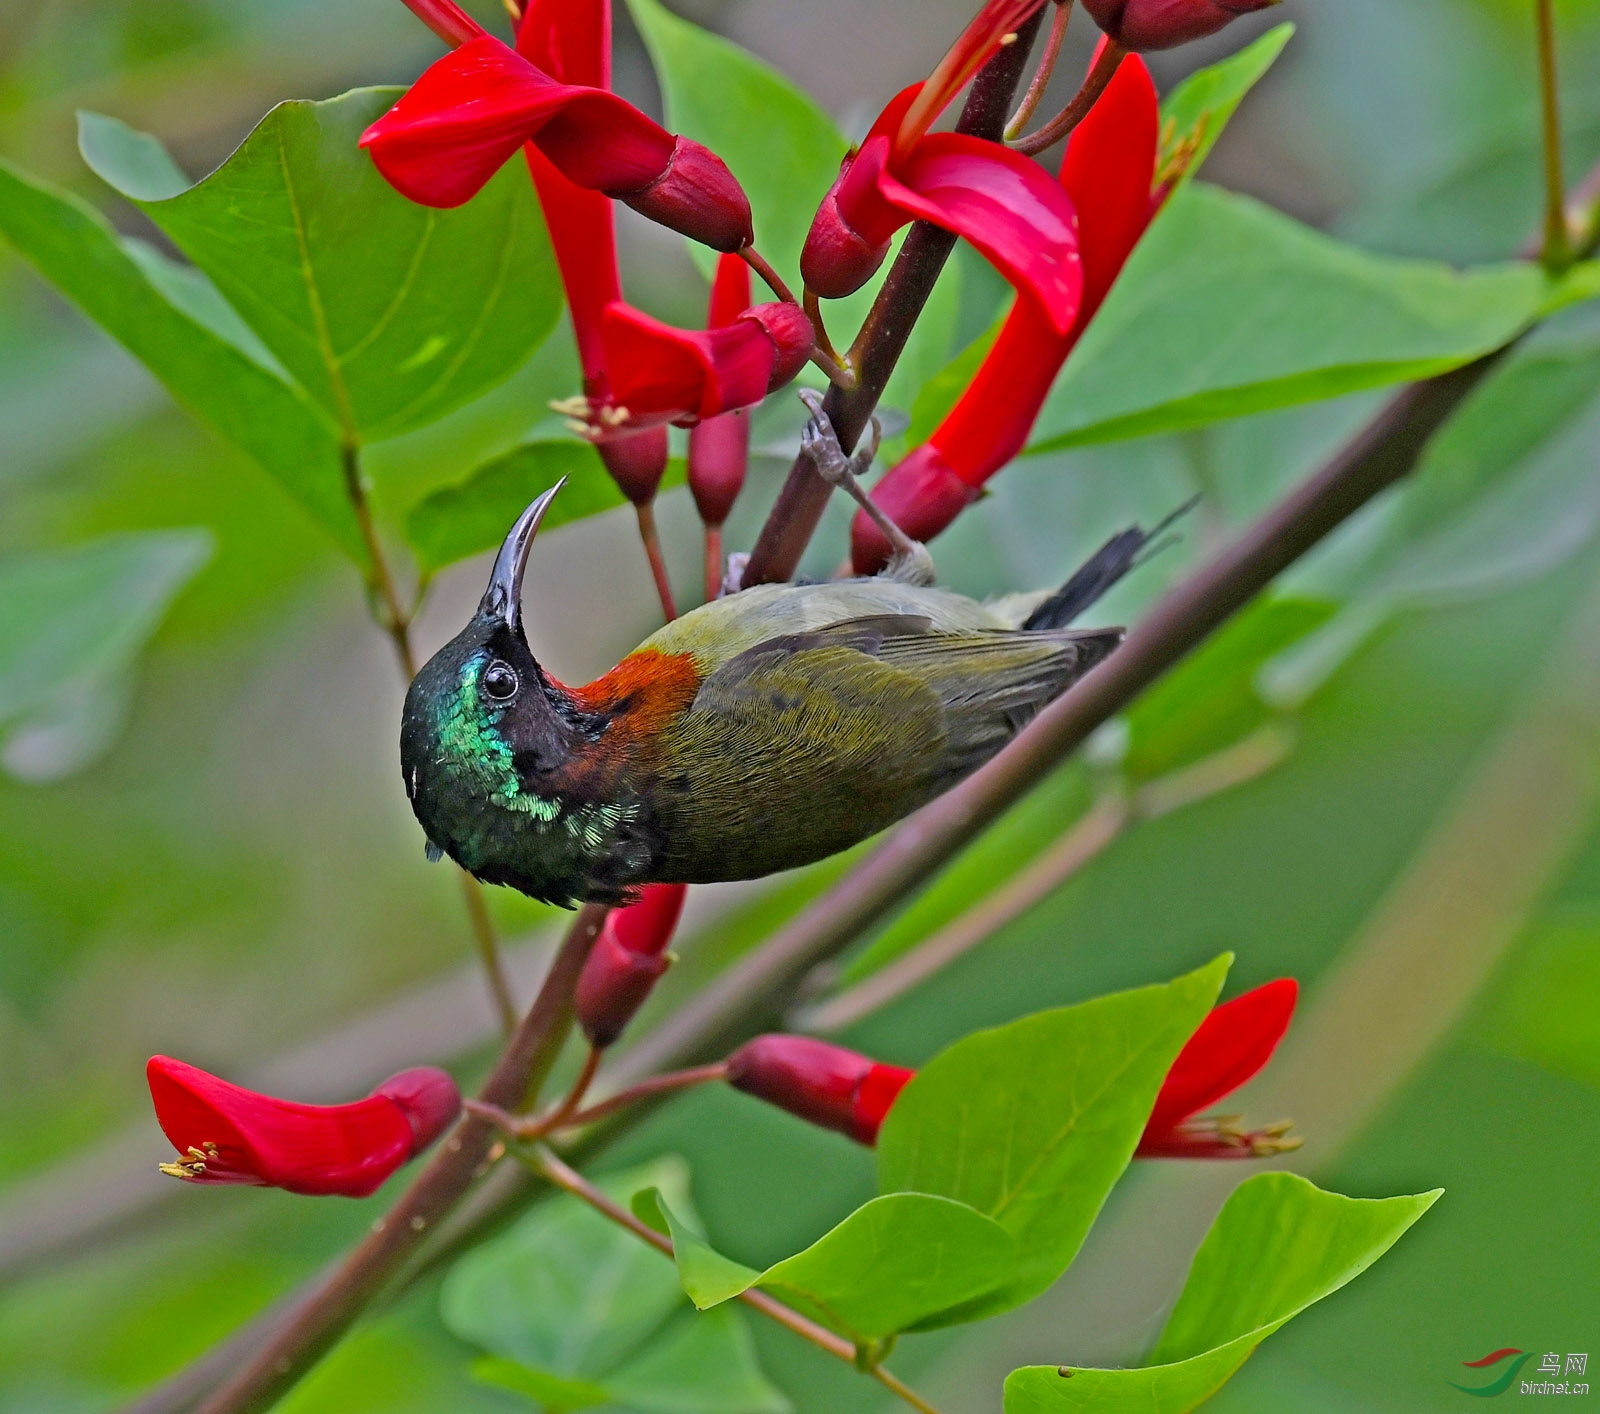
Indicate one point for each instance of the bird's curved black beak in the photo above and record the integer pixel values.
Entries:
(502, 600)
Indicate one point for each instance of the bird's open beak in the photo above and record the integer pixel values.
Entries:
(503, 598)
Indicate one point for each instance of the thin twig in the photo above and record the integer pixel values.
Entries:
(1041, 75)
(658, 565)
(831, 361)
(396, 622)
(652, 1088)
(483, 937)
(1556, 254)
(763, 267)
(569, 1180)
(340, 1297)
(877, 348)
(1101, 74)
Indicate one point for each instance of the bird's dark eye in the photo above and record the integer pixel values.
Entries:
(500, 681)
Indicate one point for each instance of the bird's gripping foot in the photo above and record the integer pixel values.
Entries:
(910, 562)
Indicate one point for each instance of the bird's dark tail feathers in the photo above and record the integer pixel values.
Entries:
(1095, 576)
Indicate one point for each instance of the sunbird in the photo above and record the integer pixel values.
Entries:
(761, 731)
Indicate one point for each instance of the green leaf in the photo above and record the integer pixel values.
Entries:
(72, 623)
(169, 320)
(566, 1291)
(387, 313)
(702, 1364)
(1279, 1244)
(698, 1365)
(784, 150)
(1194, 114)
(1228, 307)
(474, 515)
(579, 1312)
(707, 1276)
(552, 1391)
(1033, 1123)
(893, 1264)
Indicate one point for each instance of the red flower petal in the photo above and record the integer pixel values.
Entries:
(471, 110)
(880, 1087)
(976, 46)
(569, 39)
(730, 292)
(1232, 1044)
(1005, 205)
(227, 1134)
(647, 926)
(1108, 171)
(663, 374)
(446, 19)
(584, 239)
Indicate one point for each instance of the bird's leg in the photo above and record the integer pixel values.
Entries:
(910, 561)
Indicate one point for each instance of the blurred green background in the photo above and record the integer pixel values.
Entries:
(237, 879)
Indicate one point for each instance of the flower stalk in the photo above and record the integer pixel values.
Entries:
(1556, 253)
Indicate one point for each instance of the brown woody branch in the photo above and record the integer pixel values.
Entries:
(317, 1321)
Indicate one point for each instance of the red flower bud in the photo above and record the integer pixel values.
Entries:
(637, 463)
(625, 962)
(698, 196)
(719, 455)
(227, 1134)
(1163, 24)
(837, 259)
(823, 1084)
(719, 447)
(1234, 1041)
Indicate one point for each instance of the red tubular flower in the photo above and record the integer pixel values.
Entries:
(1161, 24)
(1000, 201)
(1108, 173)
(1232, 1044)
(837, 1089)
(818, 1082)
(660, 374)
(719, 447)
(227, 1134)
(627, 958)
(471, 110)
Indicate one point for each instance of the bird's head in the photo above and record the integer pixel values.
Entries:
(481, 719)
